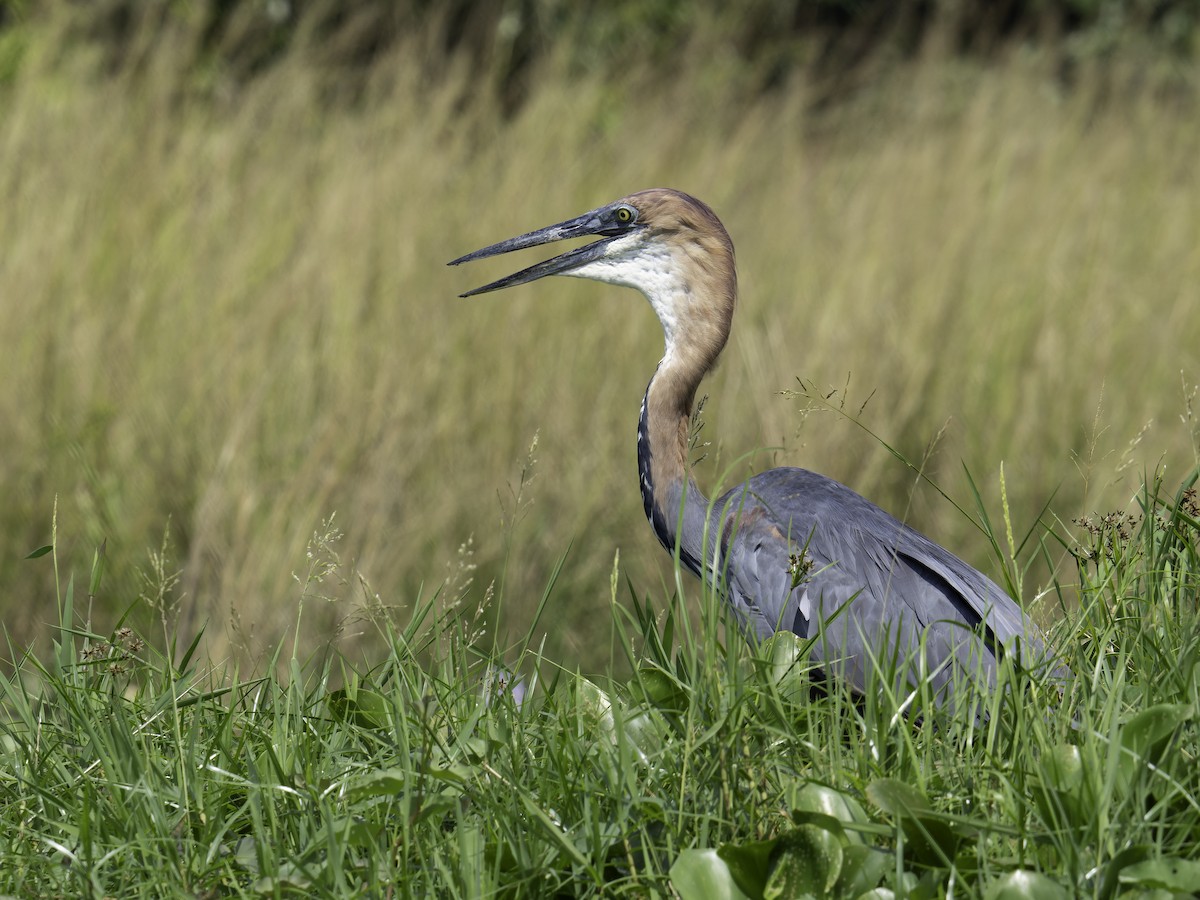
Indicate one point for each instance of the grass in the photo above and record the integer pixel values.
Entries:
(713, 768)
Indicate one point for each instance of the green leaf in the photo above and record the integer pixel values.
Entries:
(929, 837)
(1143, 736)
(1110, 879)
(385, 782)
(897, 798)
(703, 875)
(1065, 794)
(790, 665)
(593, 701)
(806, 860)
(1062, 768)
(820, 799)
(1152, 725)
(1023, 885)
(644, 733)
(365, 708)
(863, 868)
(1181, 876)
(40, 551)
(749, 863)
(658, 688)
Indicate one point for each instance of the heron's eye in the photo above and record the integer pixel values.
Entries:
(626, 214)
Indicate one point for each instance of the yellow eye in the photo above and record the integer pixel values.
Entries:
(624, 215)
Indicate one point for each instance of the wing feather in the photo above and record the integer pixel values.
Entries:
(875, 590)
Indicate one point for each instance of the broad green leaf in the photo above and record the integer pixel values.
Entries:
(1143, 735)
(1065, 793)
(455, 774)
(638, 732)
(897, 797)
(365, 708)
(703, 875)
(1153, 725)
(1110, 879)
(291, 877)
(1063, 768)
(1023, 885)
(806, 860)
(644, 732)
(819, 798)
(862, 869)
(789, 665)
(749, 863)
(929, 837)
(385, 782)
(658, 688)
(1178, 875)
(593, 701)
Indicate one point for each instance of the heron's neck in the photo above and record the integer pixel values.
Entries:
(694, 298)
(675, 506)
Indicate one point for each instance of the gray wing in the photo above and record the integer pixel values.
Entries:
(876, 591)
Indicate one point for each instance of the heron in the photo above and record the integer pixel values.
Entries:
(788, 549)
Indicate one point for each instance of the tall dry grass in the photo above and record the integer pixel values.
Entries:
(231, 318)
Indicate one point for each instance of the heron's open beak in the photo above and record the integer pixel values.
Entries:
(598, 221)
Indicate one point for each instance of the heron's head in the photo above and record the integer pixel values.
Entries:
(667, 244)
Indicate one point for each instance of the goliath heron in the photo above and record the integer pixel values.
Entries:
(788, 549)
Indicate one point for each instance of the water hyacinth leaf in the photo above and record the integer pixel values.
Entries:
(385, 782)
(596, 705)
(591, 699)
(291, 877)
(879, 893)
(455, 774)
(658, 688)
(644, 733)
(357, 831)
(863, 868)
(1142, 736)
(365, 708)
(1153, 725)
(898, 798)
(1111, 878)
(822, 821)
(806, 861)
(789, 665)
(1024, 885)
(931, 885)
(703, 875)
(1062, 768)
(750, 864)
(1180, 876)
(931, 839)
(820, 799)
(639, 732)
(1065, 793)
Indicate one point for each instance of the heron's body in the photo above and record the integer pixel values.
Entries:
(871, 589)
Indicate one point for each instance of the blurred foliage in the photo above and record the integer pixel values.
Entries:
(226, 314)
(830, 42)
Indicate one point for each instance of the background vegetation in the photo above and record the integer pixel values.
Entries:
(227, 316)
(301, 556)
(716, 770)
